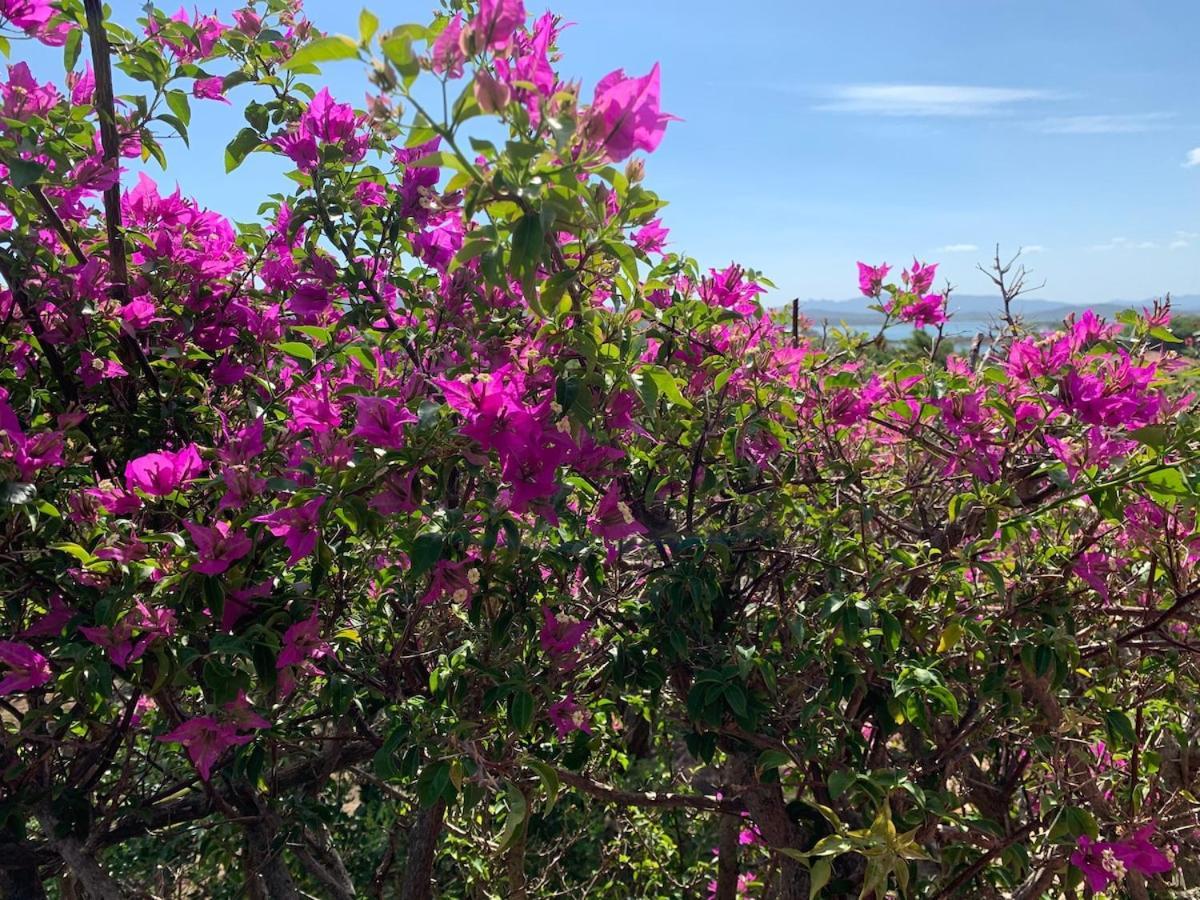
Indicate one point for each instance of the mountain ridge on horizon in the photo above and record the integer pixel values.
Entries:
(983, 307)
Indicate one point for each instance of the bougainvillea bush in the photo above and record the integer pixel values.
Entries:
(444, 533)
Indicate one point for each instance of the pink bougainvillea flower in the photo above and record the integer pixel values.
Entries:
(241, 602)
(21, 668)
(297, 525)
(29, 15)
(22, 97)
(624, 116)
(323, 123)
(1106, 862)
(381, 421)
(928, 310)
(218, 547)
(302, 642)
(491, 94)
(494, 24)
(920, 279)
(743, 889)
(446, 56)
(205, 740)
(368, 193)
(140, 709)
(242, 714)
(870, 278)
(82, 85)
(1095, 568)
(613, 519)
(210, 89)
(310, 299)
(159, 474)
(451, 579)
(126, 641)
(651, 237)
(248, 21)
(50, 623)
(567, 716)
(300, 147)
(560, 637)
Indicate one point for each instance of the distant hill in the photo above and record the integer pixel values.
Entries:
(975, 310)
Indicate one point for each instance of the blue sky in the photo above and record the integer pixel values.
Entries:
(817, 134)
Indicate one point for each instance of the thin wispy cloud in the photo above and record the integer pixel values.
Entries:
(1183, 239)
(1033, 248)
(958, 248)
(1193, 158)
(952, 100)
(1121, 243)
(1126, 123)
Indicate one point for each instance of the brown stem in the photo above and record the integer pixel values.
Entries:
(967, 874)
(321, 860)
(514, 863)
(766, 807)
(110, 142)
(727, 859)
(648, 798)
(266, 864)
(422, 848)
(98, 884)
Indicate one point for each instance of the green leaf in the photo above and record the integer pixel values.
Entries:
(427, 550)
(178, 101)
(520, 710)
(327, 49)
(1151, 435)
(550, 782)
(368, 24)
(818, 877)
(80, 553)
(297, 349)
(518, 810)
(397, 47)
(950, 637)
(839, 781)
(71, 48)
(433, 783)
(832, 845)
(735, 696)
(527, 243)
(246, 141)
(772, 759)
(666, 384)
(1120, 729)
(23, 172)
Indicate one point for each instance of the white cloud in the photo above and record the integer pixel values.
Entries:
(1033, 248)
(927, 99)
(1128, 123)
(1193, 158)
(1121, 243)
(958, 248)
(1183, 239)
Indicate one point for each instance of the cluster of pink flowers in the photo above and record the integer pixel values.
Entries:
(334, 386)
(1108, 862)
(325, 124)
(206, 738)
